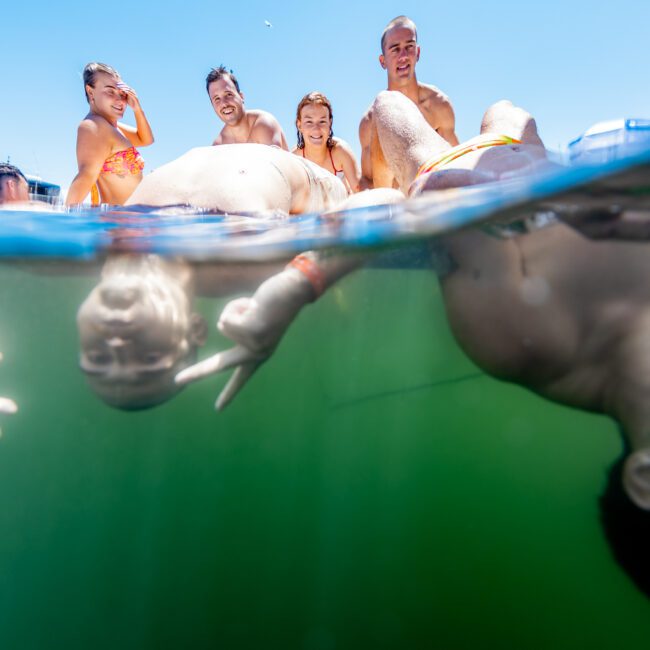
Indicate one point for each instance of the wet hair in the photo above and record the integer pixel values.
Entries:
(400, 21)
(319, 99)
(626, 527)
(90, 72)
(219, 73)
(10, 171)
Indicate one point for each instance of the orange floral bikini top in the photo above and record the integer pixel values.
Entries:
(125, 162)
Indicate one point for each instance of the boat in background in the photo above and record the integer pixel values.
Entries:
(40, 190)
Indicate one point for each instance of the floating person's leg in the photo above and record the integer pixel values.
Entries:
(383, 175)
(506, 118)
(405, 137)
(422, 160)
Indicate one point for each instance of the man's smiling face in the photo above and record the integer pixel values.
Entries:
(401, 53)
(227, 101)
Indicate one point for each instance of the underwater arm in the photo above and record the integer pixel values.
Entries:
(257, 324)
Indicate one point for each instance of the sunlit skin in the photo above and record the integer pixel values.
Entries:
(240, 124)
(399, 58)
(550, 309)
(401, 53)
(227, 101)
(100, 135)
(238, 178)
(315, 125)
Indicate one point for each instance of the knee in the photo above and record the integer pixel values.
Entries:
(506, 118)
(504, 111)
(387, 105)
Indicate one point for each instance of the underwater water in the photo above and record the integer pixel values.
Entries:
(369, 488)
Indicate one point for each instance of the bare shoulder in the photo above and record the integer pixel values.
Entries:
(265, 129)
(341, 147)
(259, 117)
(90, 127)
(434, 98)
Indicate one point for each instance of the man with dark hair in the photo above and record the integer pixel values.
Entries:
(13, 184)
(241, 125)
(400, 53)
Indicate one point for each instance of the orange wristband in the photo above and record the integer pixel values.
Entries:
(311, 271)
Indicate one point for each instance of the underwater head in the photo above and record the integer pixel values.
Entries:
(137, 330)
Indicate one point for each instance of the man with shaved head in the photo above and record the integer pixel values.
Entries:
(400, 53)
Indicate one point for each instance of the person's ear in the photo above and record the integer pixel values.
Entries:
(198, 330)
(417, 57)
(242, 97)
(382, 61)
(10, 189)
(90, 91)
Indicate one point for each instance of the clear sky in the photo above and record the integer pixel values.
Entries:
(569, 62)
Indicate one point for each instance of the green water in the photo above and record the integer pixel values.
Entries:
(370, 488)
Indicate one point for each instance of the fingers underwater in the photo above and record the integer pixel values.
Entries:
(235, 384)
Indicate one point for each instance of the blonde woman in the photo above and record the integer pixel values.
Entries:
(110, 166)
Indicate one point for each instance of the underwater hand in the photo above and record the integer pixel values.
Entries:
(256, 325)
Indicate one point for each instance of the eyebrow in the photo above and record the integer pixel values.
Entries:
(392, 45)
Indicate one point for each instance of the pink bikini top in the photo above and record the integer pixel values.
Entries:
(125, 162)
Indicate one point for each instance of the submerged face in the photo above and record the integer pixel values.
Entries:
(315, 124)
(227, 101)
(106, 99)
(136, 332)
(400, 55)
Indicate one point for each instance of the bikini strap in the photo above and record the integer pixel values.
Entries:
(94, 196)
(336, 171)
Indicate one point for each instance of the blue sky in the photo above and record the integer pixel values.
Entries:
(571, 63)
